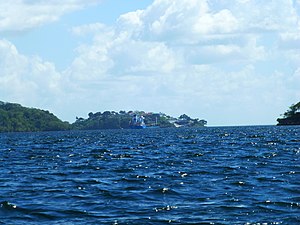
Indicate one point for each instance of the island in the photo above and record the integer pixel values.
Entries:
(17, 118)
(121, 120)
(291, 116)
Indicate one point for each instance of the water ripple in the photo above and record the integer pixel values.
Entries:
(228, 175)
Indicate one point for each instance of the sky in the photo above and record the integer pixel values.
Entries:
(230, 62)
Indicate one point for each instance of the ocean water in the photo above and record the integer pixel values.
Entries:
(214, 175)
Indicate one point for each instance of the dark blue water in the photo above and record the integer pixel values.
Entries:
(229, 175)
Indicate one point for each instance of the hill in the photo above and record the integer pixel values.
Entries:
(16, 118)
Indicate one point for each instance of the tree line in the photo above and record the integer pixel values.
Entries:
(121, 120)
(16, 118)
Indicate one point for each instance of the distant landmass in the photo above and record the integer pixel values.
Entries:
(17, 118)
(121, 120)
(291, 116)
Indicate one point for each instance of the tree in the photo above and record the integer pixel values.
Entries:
(184, 117)
(292, 110)
(90, 115)
(106, 113)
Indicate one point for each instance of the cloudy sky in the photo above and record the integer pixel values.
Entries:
(231, 62)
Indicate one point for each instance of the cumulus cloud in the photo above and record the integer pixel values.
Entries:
(178, 21)
(26, 14)
(164, 37)
(27, 79)
(260, 16)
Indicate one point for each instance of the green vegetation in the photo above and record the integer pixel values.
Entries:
(185, 120)
(16, 118)
(291, 116)
(292, 110)
(120, 120)
(105, 120)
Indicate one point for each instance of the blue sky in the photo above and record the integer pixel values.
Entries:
(229, 62)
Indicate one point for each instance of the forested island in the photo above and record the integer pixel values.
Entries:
(121, 120)
(291, 116)
(17, 118)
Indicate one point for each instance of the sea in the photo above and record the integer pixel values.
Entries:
(211, 175)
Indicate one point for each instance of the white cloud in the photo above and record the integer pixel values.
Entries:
(180, 21)
(27, 79)
(221, 22)
(89, 29)
(290, 40)
(154, 57)
(132, 19)
(91, 64)
(260, 16)
(26, 14)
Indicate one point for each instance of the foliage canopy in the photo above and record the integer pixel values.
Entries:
(16, 118)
